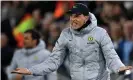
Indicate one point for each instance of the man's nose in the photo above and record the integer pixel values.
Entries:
(74, 19)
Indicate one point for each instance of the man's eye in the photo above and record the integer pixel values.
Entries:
(77, 15)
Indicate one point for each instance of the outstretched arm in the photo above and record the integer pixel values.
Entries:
(113, 61)
(52, 63)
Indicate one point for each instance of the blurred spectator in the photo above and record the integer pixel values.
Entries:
(131, 58)
(110, 10)
(15, 9)
(6, 55)
(47, 20)
(16, 12)
(106, 13)
(5, 9)
(33, 53)
(95, 6)
(128, 43)
(115, 30)
(129, 7)
(36, 14)
(54, 33)
(131, 53)
(128, 29)
(117, 37)
(7, 29)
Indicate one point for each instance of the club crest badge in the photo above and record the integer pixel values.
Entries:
(90, 38)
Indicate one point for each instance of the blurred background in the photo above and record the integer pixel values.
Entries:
(50, 18)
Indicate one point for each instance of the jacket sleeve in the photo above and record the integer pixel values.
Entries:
(52, 76)
(112, 60)
(54, 61)
(12, 67)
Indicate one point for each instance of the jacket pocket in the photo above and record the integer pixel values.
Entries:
(92, 60)
(105, 76)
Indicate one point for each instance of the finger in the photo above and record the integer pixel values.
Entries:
(17, 68)
(129, 67)
(17, 72)
(14, 72)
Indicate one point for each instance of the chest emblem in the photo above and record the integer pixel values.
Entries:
(90, 38)
(35, 58)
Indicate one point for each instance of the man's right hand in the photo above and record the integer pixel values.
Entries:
(24, 71)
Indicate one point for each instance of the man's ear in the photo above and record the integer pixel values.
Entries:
(86, 18)
(35, 42)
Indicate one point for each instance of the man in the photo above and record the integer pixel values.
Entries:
(128, 43)
(6, 55)
(33, 53)
(90, 50)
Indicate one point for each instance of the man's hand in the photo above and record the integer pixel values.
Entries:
(22, 71)
(121, 69)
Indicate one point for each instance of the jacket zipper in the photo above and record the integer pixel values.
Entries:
(83, 65)
(83, 69)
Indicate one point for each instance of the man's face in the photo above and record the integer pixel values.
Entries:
(128, 29)
(77, 20)
(115, 29)
(28, 41)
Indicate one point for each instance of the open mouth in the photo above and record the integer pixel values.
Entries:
(75, 23)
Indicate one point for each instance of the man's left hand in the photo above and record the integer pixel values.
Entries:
(124, 68)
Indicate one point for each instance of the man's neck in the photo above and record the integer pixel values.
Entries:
(31, 47)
